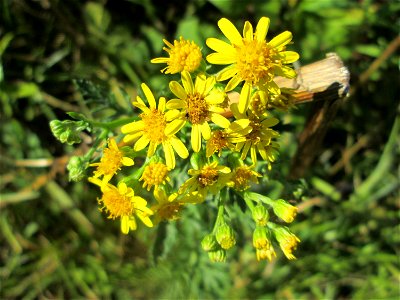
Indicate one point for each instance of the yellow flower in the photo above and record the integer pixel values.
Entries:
(242, 177)
(251, 58)
(156, 127)
(198, 105)
(120, 202)
(284, 210)
(260, 139)
(167, 207)
(265, 253)
(287, 241)
(183, 56)
(111, 162)
(154, 174)
(226, 138)
(282, 101)
(210, 178)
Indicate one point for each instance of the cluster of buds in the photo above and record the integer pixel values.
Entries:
(224, 141)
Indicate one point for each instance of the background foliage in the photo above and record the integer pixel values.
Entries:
(56, 244)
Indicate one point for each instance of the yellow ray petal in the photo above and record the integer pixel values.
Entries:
(145, 219)
(160, 60)
(230, 31)
(141, 143)
(281, 40)
(239, 124)
(179, 147)
(187, 82)
(221, 46)
(196, 138)
(289, 56)
(270, 122)
(235, 80)
(220, 59)
(172, 115)
(152, 149)
(175, 104)
(132, 127)
(161, 104)
(248, 31)
(285, 71)
(253, 154)
(149, 96)
(245, 150)
(177, 90)
(226, 73)
(205, 130)
(200, 84)
(244, 99)
(210, 82)
(262, 29)
(127, 161)
(174, 127)
(169, 155)
(220, 120)
(131, 137)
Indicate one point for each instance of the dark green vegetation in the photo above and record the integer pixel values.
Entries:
(56, 244)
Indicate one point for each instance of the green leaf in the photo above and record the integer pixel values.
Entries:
(325, 188)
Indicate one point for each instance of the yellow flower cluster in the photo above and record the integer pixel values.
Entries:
(224, 149)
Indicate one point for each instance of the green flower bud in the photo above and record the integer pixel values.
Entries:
(260, 215)
(76, 167)
(286, 239)
(284, 210)
(217, 255)
(209, 243)
(68, 131)
(225, 236)
(261, 238)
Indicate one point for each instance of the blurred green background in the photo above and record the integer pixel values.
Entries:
(56, 244)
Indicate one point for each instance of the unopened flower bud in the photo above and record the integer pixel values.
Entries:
(260, 215)
(225, 236)
(217, 255)
(284, 210)
(261, 237)
(77, 166)
(209, 243)
(287, 240)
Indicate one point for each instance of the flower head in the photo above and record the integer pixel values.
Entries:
(120, 202)
(156, 127)
(250, 57)
(198, 106)
(225, 236)
(168, 207)
(111, 161)
(260, 139)
(210, 178)
(183, 56)
(242, 176)
(228, 138)
(154, 174)
(287, 241)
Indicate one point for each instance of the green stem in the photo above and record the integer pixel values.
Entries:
(96, 144)
(221, 209)
(248, 199)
